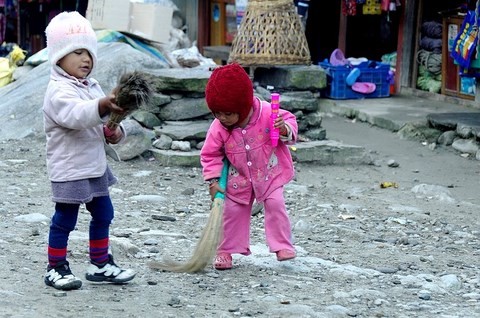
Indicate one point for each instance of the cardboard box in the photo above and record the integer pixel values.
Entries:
(147, 20)
(151, 21)
(109, 14)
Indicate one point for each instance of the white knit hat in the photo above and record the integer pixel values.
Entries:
(67, 32)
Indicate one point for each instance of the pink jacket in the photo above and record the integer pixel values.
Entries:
(73, 127)
(254, 163)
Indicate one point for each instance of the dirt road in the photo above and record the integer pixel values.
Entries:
(363, 251)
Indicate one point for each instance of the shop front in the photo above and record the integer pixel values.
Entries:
(414, 36)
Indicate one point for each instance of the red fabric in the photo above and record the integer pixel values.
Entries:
(99, 250)
(56, 255)
(349, 7)
(99, 243)
(230, 89)
(57, 252)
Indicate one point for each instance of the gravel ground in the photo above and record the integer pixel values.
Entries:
(363, 250)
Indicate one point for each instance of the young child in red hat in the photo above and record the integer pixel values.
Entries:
(257, 171)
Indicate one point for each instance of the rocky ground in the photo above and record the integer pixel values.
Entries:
(363, 250)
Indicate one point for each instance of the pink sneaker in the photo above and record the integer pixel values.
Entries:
(284, 255)
(223, 261)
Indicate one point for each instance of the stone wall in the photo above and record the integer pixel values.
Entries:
(173, 125)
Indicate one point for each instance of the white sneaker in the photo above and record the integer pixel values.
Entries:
(109, 272)
(61, 277)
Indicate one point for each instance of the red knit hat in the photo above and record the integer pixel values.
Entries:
(230, 89)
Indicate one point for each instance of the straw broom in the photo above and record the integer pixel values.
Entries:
(207, 245)
(132, 91)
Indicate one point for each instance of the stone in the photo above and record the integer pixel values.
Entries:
(328, 152)
(177, 158)
(447, 138)
(136, 143)
(178, 79)
(185, 108)
(163, 142)
(449, 121)
(309, 77)
(147, 119)
(469, 146)
(419, 131)
(184, 129)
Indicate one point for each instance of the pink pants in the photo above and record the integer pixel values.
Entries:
(236, 225)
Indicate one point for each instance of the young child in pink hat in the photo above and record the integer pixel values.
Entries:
(258, 171)
(75, 111)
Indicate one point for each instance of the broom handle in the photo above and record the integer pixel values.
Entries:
(223, 180)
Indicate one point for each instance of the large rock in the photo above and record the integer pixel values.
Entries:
(184, 130)
(324, 152)
(177, 158)
(185, 108)
(137, 142)
(330, 152)
(310, 77)
(184, 80)
(21, 101)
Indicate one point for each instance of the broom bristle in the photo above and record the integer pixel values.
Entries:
(206, 247)
(132, 91)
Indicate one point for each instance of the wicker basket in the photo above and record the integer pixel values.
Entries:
(270, 33)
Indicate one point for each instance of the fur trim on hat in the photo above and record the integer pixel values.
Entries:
(67, 32)
(230, 89)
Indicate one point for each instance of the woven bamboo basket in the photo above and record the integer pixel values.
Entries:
(270, 33)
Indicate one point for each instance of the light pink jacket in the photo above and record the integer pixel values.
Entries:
(254, 163)
(73, 127)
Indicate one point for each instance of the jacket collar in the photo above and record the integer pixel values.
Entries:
(58, 73)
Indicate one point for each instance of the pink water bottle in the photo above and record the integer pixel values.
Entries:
(274, 132)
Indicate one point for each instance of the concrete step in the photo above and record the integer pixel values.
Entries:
(322, 152)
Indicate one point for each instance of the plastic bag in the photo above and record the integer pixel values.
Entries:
(9, 64)
(5, 72)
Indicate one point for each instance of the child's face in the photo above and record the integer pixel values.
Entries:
(78, 63)
(226, 118)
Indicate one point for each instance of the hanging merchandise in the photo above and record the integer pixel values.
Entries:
(385, 5)
(349, 7)
(385, 28)
(302, 7)
(372, 7)
(465, 43)
(240, 7)
(302, 10)
(389, 5)
(393, 6)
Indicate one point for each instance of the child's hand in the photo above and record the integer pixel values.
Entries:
(214, 188)
(107, 105)
(280, 124)
(113, 136)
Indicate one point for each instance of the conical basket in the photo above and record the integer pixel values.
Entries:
(270, 33)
